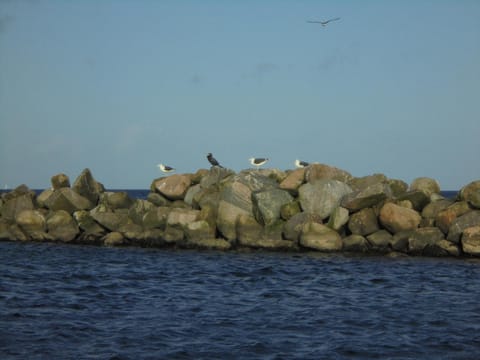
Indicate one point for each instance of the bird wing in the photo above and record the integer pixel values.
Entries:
(330, 20)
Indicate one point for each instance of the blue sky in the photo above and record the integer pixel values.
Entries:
(393, 87)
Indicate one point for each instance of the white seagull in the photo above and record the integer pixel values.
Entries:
(165, 168)
(258, 161)
(323, 23)
(301, 164)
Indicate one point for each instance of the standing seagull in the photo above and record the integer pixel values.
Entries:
(323, 23)
(165, 168)
(213, 161)
(258, 161)
(301, 164)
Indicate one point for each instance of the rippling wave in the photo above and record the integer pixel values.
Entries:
(81, 302)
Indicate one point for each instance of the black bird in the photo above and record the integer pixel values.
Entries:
(213, 161)
(323, 23)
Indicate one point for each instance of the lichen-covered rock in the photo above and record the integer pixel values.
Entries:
(116, 200)
(461, 223)
(227, 217)
(293, 180)
(367, 197)
(290, 209)
(362, 183)
(31, 221)
(182, 217)
(91, 230)
(398, 218)
(471, 194)
(445, 217)
(248, 230)
(211, 244)
(399, 241)
(356, 243)
(15, 205)
(157, 199)
(322, 197)
(268, 204)
(418, 199)
(67, 199)
(173, 187)
(110, 220)
(156, 218)
(320, 237)
(316, 172)
(113, 239)
(294, 226)
(59, 181)
(471, 240)
(433, 209)
(86, 186)
(214, 176)
(380, 240)
(190, 195)
(61, 226)
(138, 210)
(397, 186)
(338, 218)
(363, 222)
(199, 230)
(427, 185)
(422, 238)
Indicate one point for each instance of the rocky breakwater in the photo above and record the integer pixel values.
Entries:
(319, 207)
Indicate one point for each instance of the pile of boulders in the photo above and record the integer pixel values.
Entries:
(318, 207)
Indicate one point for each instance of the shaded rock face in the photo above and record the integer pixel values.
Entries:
(322, 197)
(425, 239)
(367, 197)
(445, 217)
(461, 223)
(363, 222)
(397, 218)
(62, 226)
(356, 243)
(293, 180)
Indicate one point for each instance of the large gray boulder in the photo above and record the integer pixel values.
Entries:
(316, 172)
(471, 240)
(363, 222)
(322, 197)
(320, 237)
(15, 205)
(397, 218)
(91, 230)
(445, 217)
(67, 199)
(433, 209)
(33, 223)
(362, 183)
(338, 218)
(173, 187)
(116, 200)
(471, 194)
(199, 230)
(366, 197)
(59, 181)
(293, 180)
(86, 186)
(110, 220)
(214, 177)
(380, 240)
(139, 208)
(399, 241)
(461, 223)
(61, 226)
(424, 238)
(156, 218)
(356, 243)
(268, 204)
(294, 226)
(228, 215)
(427, 185)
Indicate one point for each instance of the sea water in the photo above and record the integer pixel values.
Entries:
(84, 302)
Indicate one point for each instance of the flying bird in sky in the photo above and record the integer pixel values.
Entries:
(323, 23)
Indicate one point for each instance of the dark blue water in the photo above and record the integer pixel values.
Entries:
(80, 302)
